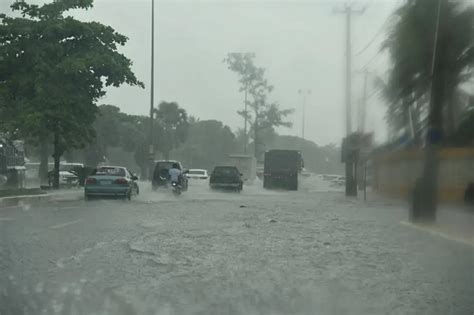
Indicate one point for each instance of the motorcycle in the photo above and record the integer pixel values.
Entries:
(176, 188)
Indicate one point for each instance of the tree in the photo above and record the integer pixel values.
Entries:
(209, 143)
(263, 114)
(118, 131)
(55, 68)
(172, 125)
(432, 51)
(410, 43)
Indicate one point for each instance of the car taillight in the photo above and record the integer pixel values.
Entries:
(121, 181)
(90, 181)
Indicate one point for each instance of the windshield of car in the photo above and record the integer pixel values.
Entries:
(164, 165)
(109, 171)
(225, 171)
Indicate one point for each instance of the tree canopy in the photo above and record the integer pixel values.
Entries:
(172, 123)
(411, 46)
(54, 69)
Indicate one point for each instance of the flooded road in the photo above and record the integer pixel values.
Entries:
(258, 252)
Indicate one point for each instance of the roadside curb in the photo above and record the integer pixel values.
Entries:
(439, 231)
(16, 200)
(13, 201)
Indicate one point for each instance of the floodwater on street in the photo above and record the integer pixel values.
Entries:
(205, 252)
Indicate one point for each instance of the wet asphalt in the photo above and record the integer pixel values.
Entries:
(258, 252)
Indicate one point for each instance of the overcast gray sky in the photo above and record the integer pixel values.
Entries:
(300, 43)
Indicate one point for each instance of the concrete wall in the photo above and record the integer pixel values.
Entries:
(396, 172)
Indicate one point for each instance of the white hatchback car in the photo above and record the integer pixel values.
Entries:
(197, 174)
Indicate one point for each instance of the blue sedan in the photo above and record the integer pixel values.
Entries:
(113, 181)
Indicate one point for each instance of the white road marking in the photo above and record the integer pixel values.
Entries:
(7, 219)
(62, 225)
(436, 231)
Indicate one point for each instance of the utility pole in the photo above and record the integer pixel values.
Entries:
(362, 110)
(426, 190)
(152, 88)
(245, 118)
(351, 187)
(304, 93)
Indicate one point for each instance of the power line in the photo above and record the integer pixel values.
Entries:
(373, 38)
(373, 58)
(374, 92)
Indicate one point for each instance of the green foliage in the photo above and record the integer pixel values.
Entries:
(54, 69)
(464, 135)
(411, 46)
(209, 143)
(172, 124)
(115, 129)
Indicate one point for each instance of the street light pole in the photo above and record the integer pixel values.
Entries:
(152, 87)
(245, 118)
(304, 93)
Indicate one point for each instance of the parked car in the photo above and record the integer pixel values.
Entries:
(161, 175)
(112, 181)
(338, 181)
(226, 177)
(305, 173)
(197, 174)
(330, 177)
(68, 174)
(259, 172)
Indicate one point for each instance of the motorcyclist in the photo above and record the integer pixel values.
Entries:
(175, 174)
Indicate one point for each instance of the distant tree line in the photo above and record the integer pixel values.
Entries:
(123, 139)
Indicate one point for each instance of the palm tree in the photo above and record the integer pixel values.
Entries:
(410, 43)
(432, 50)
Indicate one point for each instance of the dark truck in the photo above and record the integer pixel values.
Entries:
(281, 169)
